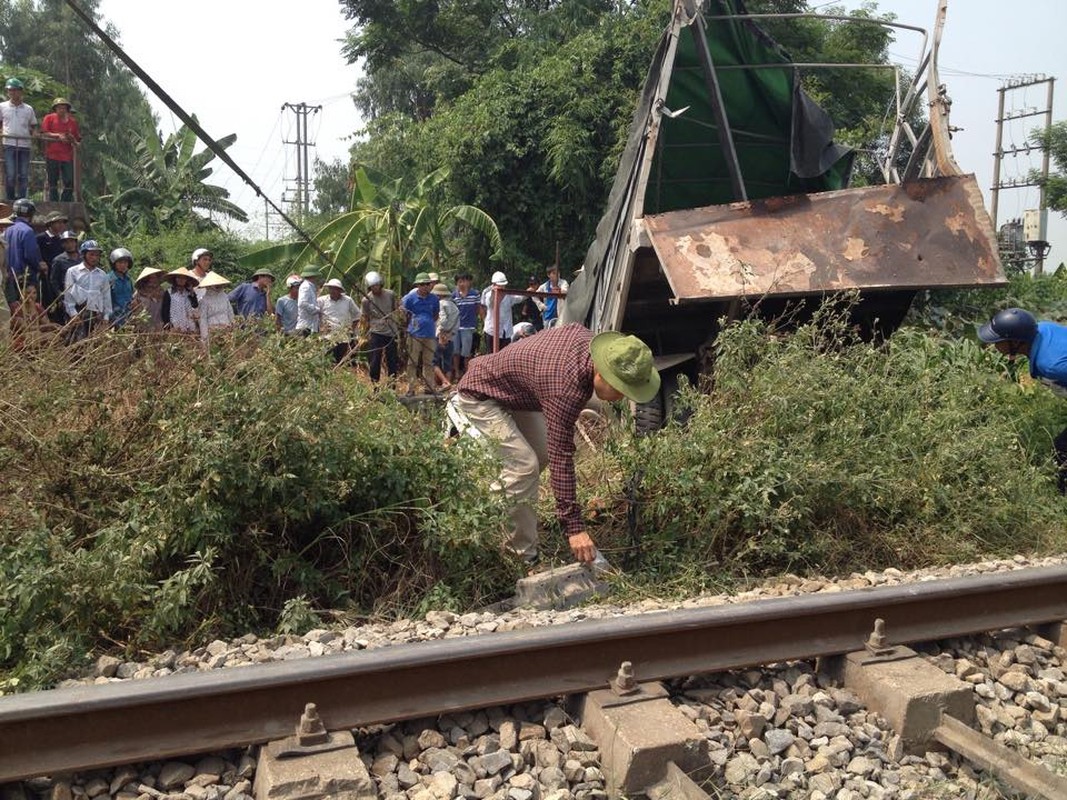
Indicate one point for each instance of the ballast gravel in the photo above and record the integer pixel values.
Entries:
(774, 732)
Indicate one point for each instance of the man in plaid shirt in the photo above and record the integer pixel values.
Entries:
(527, 398)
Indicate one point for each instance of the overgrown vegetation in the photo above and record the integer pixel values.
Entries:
(154, 494)
(817, 452)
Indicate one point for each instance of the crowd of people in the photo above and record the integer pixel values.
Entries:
(58, 282)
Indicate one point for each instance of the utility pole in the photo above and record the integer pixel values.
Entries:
(303, 144)
(1038, 245)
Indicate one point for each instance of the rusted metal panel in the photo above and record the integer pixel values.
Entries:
(932, 233)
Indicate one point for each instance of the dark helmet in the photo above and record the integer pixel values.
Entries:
(1011, 323)
(23, 207)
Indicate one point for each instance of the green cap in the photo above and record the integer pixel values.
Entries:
(311, 272)
(422, 277)
(262, 273)
(14, 83)
(625, 362)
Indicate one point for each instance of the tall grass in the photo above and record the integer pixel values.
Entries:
(816, 451)
(154, 493)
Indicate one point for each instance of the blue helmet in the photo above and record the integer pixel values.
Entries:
(90, 244)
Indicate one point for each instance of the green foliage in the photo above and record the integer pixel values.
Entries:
(155, 493)
(819, 452)
(1054, 142)
(165, 187)
(392, 227)
(958, 312)
(172, 248)
(543, 129)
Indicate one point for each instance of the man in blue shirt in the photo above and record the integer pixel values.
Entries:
(1015, 332)
(24, 264)
(251, 299)
(468, 301)
(422, 308)
(551, 307)
(121, 285)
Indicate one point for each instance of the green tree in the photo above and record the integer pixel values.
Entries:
(333, 187)
(392, 226)
(46, 36)
(165, 187)
(1054, 142)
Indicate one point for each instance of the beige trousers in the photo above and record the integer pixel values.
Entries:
(421, 350)
(521, 442)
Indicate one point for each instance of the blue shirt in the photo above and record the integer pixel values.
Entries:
(1048, 353)
(121, 296)
(423, 311)
(285, 310)
(22, 251)
(468, 307)
(249, 300)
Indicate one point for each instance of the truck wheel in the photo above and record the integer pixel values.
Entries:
(649, 417)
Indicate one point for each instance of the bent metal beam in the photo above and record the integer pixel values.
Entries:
(93, 726)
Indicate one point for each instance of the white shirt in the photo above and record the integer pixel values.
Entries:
(181, 312)
(507, 319)
(88, 287)
(338, 316)
(307, 308)
(17, 122)
(215, 311)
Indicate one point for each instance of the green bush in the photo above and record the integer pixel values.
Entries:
(155, 493)
(815, 451)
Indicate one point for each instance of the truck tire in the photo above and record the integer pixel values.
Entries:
(650, 417)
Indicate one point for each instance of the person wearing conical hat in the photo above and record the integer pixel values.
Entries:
(181, 307)
(146, 310)
(308, 313)
(62, 133)
(216, 313)
(526, 399)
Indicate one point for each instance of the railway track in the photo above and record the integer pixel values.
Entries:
(67, 730)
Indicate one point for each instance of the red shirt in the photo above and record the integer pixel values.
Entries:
(60, 151)
(551, 372)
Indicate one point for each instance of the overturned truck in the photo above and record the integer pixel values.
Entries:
(732, 198)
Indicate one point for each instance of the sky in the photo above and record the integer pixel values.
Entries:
(234, 63)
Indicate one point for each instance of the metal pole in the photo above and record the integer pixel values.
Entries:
(1042, 204)
(718, 107)
(496, 318)
(997, 156)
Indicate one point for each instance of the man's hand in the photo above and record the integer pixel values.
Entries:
(582, 546)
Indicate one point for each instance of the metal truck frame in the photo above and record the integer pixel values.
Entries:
(731, 198)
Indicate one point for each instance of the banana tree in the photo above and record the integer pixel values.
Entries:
(388, 228)
(167, 186)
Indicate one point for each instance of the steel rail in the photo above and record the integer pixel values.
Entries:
(80, 728)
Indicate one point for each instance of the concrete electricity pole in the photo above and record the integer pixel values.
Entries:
(1038, 245)
(303, 144)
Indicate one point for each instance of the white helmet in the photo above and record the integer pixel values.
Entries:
(373, 279)
(499, 279)
(522, 330)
